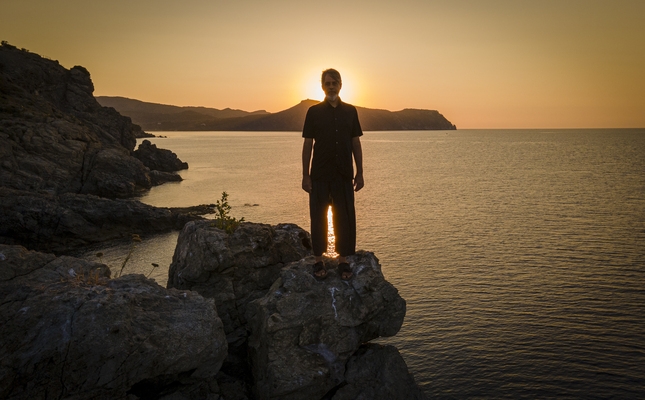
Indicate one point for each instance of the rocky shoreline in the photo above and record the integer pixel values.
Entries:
(241, 317)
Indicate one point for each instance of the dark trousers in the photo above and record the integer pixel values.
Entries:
(339, 193)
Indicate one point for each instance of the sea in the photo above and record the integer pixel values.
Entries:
(520, 253)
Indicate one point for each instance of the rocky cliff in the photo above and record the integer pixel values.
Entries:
(55, 136)
(65, 159)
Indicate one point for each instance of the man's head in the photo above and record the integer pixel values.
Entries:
(331, 83)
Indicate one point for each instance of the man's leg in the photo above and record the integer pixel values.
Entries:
(318, 205)
(344, 217)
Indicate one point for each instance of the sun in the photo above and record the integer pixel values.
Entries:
(311, 88)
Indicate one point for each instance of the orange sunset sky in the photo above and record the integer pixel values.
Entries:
(483, 64)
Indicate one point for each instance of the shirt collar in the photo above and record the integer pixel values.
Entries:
(340, 102)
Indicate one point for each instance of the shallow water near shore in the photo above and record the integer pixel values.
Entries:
(520, 253)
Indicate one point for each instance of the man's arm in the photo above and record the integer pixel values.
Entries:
(357, 150)
(306, 161)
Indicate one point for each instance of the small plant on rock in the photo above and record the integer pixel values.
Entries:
(154, 265)
(224, 221)
(135, 239)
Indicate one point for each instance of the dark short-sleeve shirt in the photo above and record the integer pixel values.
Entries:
(332, 129)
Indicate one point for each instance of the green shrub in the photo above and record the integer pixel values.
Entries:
(224, 221)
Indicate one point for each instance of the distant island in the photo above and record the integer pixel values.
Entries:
(161, 117)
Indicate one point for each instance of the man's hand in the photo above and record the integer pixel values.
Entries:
(306, 183)
(358, 182)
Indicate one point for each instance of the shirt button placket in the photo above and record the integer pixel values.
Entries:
(336, 127)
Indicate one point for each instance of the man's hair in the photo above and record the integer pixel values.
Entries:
(331, 72)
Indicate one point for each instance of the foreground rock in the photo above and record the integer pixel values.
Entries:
(67, 331)
(63, 223)
(234, 269)
(303, 331)
(55, 136)
(291, 336)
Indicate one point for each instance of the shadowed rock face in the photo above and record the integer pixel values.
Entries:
(55, 136)
(67, 331)
(304, 331)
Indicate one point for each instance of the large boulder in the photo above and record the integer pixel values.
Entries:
(68, 331)
(234, 269)
(62, 223)
(377, 372)
(304, 331)
(158, 159)
(55, 136)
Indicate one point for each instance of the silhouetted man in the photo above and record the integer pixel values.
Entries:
(333, 132)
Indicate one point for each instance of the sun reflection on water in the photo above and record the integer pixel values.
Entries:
(331, 239)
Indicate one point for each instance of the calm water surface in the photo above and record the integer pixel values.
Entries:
(521, 254)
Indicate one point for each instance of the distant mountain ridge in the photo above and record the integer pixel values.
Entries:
(161, 117)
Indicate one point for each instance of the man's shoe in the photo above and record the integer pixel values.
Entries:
(320, 272)
(345, 271)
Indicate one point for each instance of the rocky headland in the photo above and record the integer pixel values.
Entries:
(241, 317)
(161, 117)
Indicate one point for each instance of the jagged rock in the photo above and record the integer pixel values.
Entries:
(304, 331)
(234, 269)
(55, 136)
(159, 177)
(62, 223)
(378, 372)
(67, 331)
(158, 159)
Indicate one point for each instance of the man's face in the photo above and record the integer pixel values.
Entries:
(331, 87)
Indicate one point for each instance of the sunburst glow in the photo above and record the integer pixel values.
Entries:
(312, 88)
(331, 238)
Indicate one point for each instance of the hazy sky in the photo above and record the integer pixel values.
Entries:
(483, 64)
